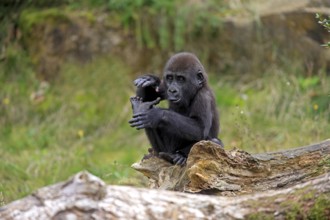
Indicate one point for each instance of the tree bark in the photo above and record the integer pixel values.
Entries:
(211, 169)
(293, 183)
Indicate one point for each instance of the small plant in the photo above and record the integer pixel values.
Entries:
(325, 22)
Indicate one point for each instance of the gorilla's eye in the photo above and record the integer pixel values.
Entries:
(169, 77)
(200, 76)
(180, 78)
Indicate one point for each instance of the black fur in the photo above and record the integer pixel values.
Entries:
(192, 115)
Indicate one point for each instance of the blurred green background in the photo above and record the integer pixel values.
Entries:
(66, 72)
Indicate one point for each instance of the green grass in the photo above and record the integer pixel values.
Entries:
(48, 132)
(276, 111)
(80, 124)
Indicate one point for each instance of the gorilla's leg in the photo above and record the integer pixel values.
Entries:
(156, 140)
(163, 149)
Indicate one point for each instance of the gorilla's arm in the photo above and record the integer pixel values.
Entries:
(190, 129)
(149, 88)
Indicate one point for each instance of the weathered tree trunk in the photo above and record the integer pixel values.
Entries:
(211, 168)
(87, 197)
(301, 174)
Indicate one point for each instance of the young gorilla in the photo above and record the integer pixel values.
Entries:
(192, 115)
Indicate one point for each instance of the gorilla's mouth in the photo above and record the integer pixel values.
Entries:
(174, 100)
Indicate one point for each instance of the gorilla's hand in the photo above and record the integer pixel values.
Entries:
(147, 80)
(147, 119)
(139, 106)
(175, 158)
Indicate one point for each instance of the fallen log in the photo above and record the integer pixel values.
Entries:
(85, 196)
(211, 169)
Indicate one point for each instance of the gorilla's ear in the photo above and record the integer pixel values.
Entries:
(200, 78)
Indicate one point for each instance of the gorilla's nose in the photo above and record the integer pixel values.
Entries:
(173, 91)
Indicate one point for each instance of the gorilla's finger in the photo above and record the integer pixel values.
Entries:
(133, 120)
(143, 125)
(181, 161)
(136, 124)
(140, 127)
(140, 81)
(137, 115)
(155, 102)
(146, 83)
(176, 159)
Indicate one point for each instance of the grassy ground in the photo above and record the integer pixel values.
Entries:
(79, 122)
(278, 110)
(48, 132)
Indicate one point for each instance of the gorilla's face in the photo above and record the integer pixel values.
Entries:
(175, 83)
(183, 77)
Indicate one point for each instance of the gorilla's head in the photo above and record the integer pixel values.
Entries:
(184, 76)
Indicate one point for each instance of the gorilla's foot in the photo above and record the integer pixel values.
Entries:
(139, 106)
